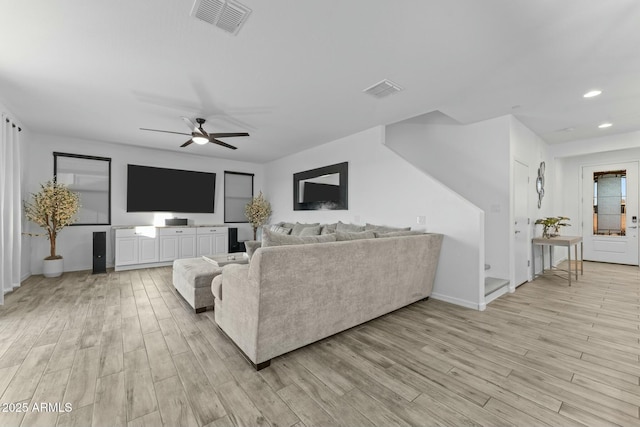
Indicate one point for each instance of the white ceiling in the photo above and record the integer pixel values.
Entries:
(293, 76)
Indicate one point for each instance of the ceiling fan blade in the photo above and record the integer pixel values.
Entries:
(165, 131)
(224, 144)
(190, 123)
(227, 135)
(189, 142)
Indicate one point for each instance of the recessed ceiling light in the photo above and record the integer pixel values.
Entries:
(605, 125)
(592, 93)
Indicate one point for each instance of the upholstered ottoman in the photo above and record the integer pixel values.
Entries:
(192, 278)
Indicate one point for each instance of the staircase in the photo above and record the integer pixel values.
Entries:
(492, 284)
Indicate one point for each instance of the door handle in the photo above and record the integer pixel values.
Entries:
(517, 231)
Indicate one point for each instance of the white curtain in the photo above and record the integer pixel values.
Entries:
(10, 207)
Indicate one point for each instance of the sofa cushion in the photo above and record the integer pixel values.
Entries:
(398, 233)
(298, 227)
(345, 235)
(310, 231)
(274, 239)
(252, 245)
(341, 226)
(286, 224)
(384, 228)
(278, 229)
(328, 228)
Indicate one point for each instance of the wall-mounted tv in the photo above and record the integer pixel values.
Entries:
(152, 189)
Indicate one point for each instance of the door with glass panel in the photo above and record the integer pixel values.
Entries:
(610, 213)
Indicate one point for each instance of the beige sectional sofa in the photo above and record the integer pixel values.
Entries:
(292, 295)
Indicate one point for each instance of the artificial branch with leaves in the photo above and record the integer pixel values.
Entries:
(52, 208)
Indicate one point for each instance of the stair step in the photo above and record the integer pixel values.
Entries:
(492, 284)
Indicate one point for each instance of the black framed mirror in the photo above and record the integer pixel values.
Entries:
(323, 188)
(90, 177)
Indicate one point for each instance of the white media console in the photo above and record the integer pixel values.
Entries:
(149, 246)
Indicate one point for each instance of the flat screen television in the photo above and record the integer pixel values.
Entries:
(151, 189)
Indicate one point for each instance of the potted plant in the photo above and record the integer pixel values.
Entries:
(52, 208)
(551, 225)
(257, 212)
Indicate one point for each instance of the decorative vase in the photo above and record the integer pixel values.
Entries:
(53, 267)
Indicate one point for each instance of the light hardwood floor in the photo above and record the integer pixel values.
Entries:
(124, 349)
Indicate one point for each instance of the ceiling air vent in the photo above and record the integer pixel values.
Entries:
(383, 88)
(227, 15)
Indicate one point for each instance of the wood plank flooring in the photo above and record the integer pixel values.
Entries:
(124, 349)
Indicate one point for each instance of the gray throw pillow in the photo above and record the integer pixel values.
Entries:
(310, 231)
(297, 228)
(384, 228)
(287, 225)
(398, 233)
(280, 229)
(274, 239)
(328, 228)
(251, 246)
(358, 235)
(349, 227)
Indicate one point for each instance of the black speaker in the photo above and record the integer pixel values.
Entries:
(99, 252)
(234, 246)
(176, 221)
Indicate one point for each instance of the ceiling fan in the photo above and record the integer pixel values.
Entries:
(200, 136)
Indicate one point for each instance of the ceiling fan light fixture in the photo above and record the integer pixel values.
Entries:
(200, 140)
(592, 93)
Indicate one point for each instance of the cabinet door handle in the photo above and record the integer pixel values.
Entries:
(178, 231)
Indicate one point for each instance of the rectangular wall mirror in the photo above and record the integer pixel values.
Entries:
(324, 188)
(90, 177)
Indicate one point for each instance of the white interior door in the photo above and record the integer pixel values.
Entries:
(610, 213)
(521, 223)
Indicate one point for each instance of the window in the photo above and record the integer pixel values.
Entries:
(238, 192)
(90, 177)
(609, 203)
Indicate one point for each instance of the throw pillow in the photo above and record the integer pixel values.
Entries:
(251, 246)
(274, 239)
(286, 225)
(328, 228)
(310, 231)
(398, 233)
(280, 229)
(341, 226)
(384, 228)
(298, 227)
(358, 235)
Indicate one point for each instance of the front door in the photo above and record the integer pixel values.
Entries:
(610, 213)
(521, 223)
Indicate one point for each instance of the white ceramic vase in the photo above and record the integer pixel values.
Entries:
(53, 267)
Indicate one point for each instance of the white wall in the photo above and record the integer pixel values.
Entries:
(473, 161)
(75, 243)
(386, 189)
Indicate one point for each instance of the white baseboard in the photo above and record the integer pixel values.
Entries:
(458, 301)
(25, 277)
(496, 294)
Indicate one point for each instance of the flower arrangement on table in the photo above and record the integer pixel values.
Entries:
(257, 212)
(551, 225)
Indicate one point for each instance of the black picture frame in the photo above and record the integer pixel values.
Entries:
(100, 200)
(342, 202)
(233, 203)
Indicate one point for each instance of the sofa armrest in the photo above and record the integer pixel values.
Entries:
(237, 312)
